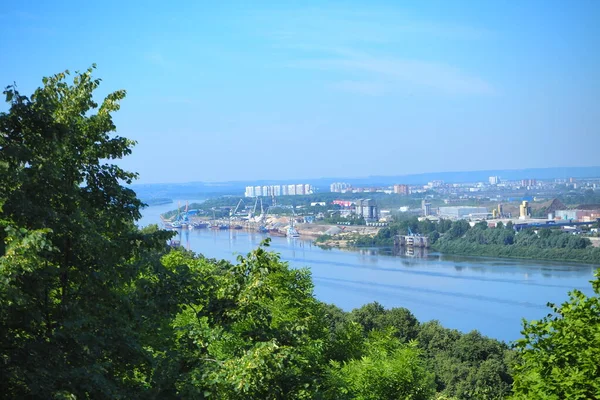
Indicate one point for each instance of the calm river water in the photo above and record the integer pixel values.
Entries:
(487, 294)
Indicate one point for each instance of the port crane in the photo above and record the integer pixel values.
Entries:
(262, 215)
(292, 232)
(253, 212)
(231, 214)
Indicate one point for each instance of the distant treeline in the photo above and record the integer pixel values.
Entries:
(546, 244)
(588, 196)
(458, 237)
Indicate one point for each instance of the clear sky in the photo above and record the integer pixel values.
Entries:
(273, 90)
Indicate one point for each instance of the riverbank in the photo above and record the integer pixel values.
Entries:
(590, 256)
(582, 256)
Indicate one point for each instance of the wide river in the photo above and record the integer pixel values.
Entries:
(488, 294)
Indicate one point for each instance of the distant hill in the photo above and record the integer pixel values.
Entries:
(472, 176)
(197, 190)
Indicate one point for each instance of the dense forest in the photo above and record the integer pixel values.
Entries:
(91, 307)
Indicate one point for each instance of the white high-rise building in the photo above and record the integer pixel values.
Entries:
(278, 190)
(249, 191)
(339, 187)
(494, 180)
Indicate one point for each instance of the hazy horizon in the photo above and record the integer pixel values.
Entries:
(460, 177)
(269, 91)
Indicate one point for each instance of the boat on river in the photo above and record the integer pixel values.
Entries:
(292, 232)
(176, 224)
(218, 226)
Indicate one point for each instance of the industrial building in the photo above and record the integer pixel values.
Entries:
(367, 208)
(344, 203)
(578, 215)
(498, 212)
(464, 212)
(426, 208)
(524, 210)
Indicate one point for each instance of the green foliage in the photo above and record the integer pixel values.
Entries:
(249, 331)
(70, 248)
(588, 196)
(560, 354)
(466, 366)
(323, 238)
(503, 241)
(457, 237)
(402, 226)
(387, 370)
(345, 336)
(374, 316)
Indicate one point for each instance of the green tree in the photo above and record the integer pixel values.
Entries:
(252, 330)
(71, 247)
(560, 354)
(368, 316)
(346, 337)
(387, 370)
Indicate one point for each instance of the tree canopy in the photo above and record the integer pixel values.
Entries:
(560, 354)
(71, 247)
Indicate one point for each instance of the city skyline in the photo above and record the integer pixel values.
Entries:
(540, 174)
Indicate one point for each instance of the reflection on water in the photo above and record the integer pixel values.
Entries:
(487, 294)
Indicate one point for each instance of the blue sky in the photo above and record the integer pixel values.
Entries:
(272, 90)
